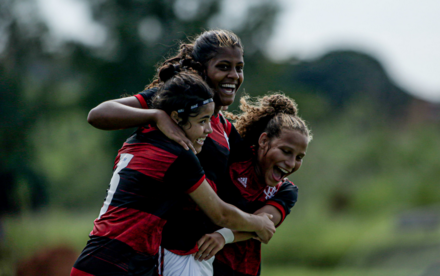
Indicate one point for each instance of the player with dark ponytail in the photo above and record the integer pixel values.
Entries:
(152, 175)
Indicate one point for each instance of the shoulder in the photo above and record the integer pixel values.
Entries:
(287, 184)
(145, 97)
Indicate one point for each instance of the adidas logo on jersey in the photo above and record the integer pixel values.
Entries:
(243, 181)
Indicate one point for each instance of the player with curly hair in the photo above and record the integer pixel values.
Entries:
(275, 141)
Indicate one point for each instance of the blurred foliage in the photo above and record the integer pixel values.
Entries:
(369, 161)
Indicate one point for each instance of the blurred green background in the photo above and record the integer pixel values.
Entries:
(368, 203)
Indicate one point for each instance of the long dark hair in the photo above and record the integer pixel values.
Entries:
(200, 51)
(180, 89)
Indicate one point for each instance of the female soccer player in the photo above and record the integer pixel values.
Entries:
(218, 55)
(151, 176)
(274, 144)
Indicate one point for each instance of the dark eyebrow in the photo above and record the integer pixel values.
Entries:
(204, 117)
(291, 149)
(227, 61)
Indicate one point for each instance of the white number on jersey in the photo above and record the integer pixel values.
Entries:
(124, 159)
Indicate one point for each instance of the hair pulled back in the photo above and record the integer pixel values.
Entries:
(199, 52)
(180, 89)
(269, 114)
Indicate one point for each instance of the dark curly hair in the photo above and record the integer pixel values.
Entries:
(180, 89)
(268, 114)
(200, 51)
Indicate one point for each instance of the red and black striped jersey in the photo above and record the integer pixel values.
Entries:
(244, 189)
(152, 175)
(187, 225)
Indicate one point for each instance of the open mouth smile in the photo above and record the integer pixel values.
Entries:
(279, 173)
(201, 141)
(229, 88)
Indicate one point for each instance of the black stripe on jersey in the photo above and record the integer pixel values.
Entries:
(143, 193)
(104, 256)
(214, 159)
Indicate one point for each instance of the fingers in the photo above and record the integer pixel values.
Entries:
(205, 252)
(209, 245)
(270, 216)
(191, 146)
(185, 143)
(211, 254)
(174, 132)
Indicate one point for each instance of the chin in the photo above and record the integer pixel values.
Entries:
(227, 102)
(198, 149)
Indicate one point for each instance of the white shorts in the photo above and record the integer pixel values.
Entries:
(171, 264)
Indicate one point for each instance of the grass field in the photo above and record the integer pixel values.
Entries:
(298, 248)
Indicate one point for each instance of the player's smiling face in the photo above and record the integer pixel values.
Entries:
(280, 156)
(198, 127)
(225, 74)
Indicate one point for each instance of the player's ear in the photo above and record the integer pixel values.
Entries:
(175, 117)
(263, 141)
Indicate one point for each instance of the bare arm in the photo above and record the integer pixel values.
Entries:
(128, 112)
(121, 113)
(227, 215)
(212, 243)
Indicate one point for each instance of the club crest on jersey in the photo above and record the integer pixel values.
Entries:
(270, 192)
(243, 181)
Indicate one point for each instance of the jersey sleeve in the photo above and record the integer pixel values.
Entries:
(145, 98)
(185, 174)
(284, 199)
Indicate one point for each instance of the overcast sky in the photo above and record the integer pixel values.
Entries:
(403, 35)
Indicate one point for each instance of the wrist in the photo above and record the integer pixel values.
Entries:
(260, 225)
(227, 234)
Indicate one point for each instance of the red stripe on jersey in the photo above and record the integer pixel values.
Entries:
(228, 127)
(280, 208)
(141, 231)
(218, 132)
(141, 101)
(195, 186)
(77, 272)
(183, 253)
(243, 257)
(148, 159)
(147, 129)
(212, 184)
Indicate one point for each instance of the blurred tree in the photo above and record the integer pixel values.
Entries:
(344, 76)
(20, 56)
(48, 86)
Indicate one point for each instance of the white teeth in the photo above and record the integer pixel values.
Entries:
(201, 139)
(283, 170)
(228, 86)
